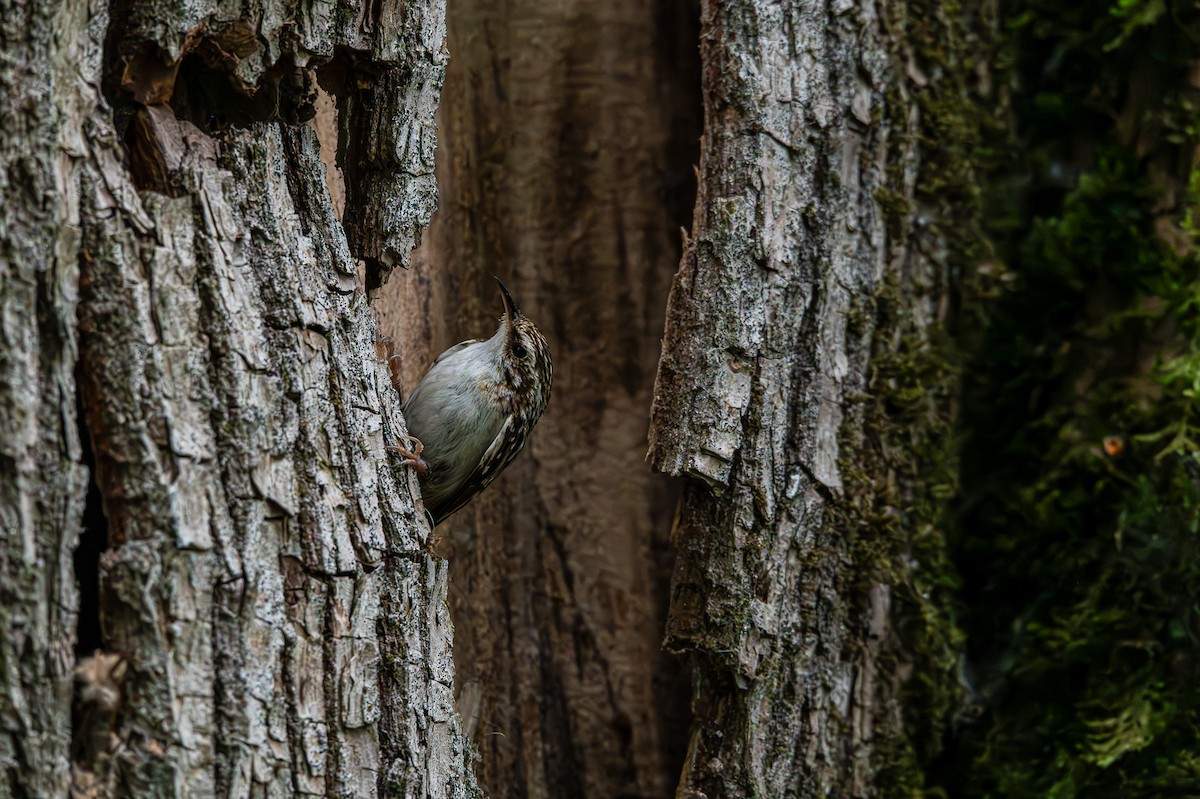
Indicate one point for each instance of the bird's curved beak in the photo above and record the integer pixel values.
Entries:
(510, 305)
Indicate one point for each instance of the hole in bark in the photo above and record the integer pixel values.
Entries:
(350, 79)
(211, 97)
(204, 84)
(92, 542)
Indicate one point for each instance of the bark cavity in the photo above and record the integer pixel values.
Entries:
(98, 674)
(92, 543)
(169, 102)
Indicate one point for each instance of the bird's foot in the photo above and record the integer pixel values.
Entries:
(411, 454)
(394, 363)
(385, 351)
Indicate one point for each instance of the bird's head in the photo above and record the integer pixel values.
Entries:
(527, 369)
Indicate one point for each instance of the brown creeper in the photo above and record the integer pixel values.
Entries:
(474, 409)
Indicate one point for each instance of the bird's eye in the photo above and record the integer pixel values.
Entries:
(519, 351)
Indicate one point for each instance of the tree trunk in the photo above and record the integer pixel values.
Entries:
(42, 481)
(268, 619)
(556, 157)
(814, 265)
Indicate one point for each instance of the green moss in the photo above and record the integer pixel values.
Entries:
(1051, 622)
(1076, 537)
(904, 473)
(1042, 552)
(899, 480)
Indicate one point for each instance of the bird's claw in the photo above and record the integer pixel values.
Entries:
(394, 362)
(411, 453)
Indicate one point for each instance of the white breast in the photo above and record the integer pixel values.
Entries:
(456, 413)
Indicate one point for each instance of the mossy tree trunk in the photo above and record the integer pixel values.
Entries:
(259, 615)
(802, 397)
(1077, 541)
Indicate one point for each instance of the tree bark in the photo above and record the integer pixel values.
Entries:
(42, 482)
(269, 620)
(566, 168)
(812, 256)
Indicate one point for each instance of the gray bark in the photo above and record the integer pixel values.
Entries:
(272, 623)
(41, 480)
(758, 400)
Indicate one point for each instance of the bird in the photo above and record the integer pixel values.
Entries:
(472, 412)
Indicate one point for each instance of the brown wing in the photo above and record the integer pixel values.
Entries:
(499, 454)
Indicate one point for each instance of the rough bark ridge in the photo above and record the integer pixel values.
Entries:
(565, 166)
(272, 624)
(41, 479)
(766, 350)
